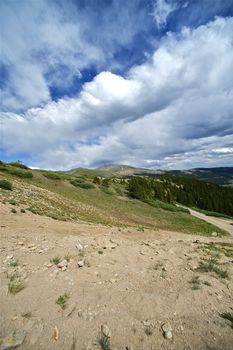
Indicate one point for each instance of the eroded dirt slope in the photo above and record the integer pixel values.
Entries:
(139, 284)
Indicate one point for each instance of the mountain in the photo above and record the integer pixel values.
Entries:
(220, 176)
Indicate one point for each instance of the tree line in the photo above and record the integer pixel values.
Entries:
(190, 192)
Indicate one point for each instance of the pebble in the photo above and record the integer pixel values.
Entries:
(62, 264)
(81, 263)
(105, 331)
(64, 268)
(9, 257)
(167, 331)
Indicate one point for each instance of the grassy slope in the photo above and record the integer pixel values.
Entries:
(60, 200)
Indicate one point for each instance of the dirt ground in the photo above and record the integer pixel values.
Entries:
(135, 282)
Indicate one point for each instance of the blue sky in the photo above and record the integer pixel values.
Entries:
(144, 83)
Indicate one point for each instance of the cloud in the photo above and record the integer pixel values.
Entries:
(46, 44)
(162, 9)
(175, 110)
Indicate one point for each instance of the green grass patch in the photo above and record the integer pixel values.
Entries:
(213, 213)
(17, 172)
(166, 206)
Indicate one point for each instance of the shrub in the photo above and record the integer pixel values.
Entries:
(52, 176)
(13, 210)
(18, 164)
(85, 185)
(20, 173)
(6, 185)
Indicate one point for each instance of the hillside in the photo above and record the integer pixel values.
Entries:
(87, 267)
(76, 198)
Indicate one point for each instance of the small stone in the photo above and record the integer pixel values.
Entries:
(48, 265)
(167, 331)
(30, 245)
(214, 234)
(112, 280)
(10, 257)
(79, 246)
(105, 331)
(168, 335)
(20, 243)
(41, 251)
(63, 263)
(81, 263)
(64, 268)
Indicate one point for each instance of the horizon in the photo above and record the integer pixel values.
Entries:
(147, 83)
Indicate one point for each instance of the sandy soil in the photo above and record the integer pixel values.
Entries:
(132, 281)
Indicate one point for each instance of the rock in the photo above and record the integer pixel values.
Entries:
(20, 243)
(30, 245)
(10, 257)
(81, 263)
(112, 280)
(48, 265)
(167, 335)
(105, 331)
(13, 340)
(41, 251)
(214, 234)
(167, 331)
(64, 268)
(79, 246)
(62, 264)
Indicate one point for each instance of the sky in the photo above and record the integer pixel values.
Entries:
(146, 83)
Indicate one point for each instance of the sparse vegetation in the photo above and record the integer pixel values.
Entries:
(196, 283)
(104, 342)
(14, 263)
(12, 202)
(67, 257)
(62, 300)
(55, 260)
(6, 185)
(22, 210)
(15, 285)
(212, 266)
(13, 210)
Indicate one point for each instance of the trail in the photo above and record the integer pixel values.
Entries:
(224, 224)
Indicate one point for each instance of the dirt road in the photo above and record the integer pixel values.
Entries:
(224, 224)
